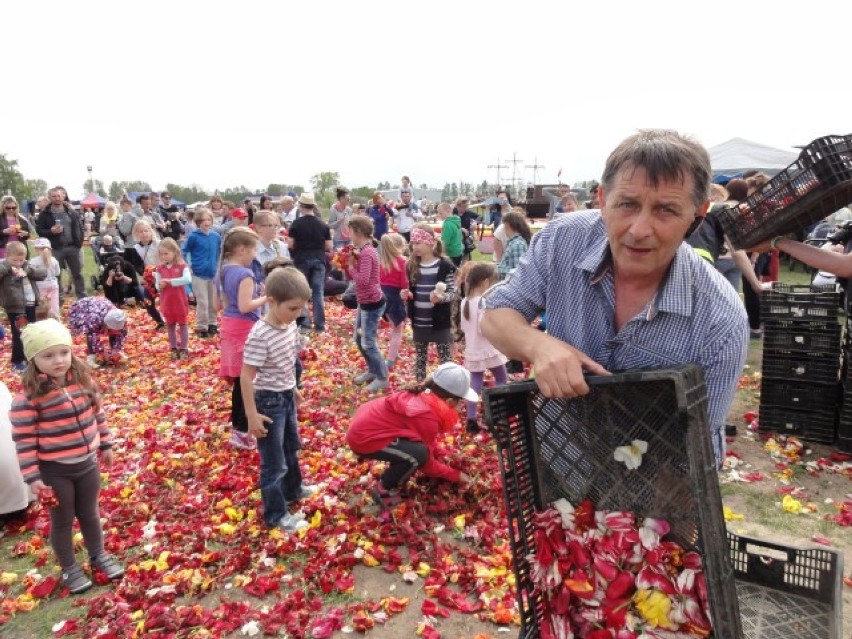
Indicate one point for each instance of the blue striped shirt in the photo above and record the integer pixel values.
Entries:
(696, 316)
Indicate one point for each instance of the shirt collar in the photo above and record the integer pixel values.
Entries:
(675, 293)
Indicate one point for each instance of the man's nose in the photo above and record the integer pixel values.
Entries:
(642, 224)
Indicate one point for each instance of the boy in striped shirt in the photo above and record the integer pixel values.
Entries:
(268, 384)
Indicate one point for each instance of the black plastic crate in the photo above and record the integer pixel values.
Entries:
(807, 341)
(818, 183)
(808, 424)
(831, 158)
(787, 592)
(799, 301)
(822, 398)
(795, 366)
(553, 448)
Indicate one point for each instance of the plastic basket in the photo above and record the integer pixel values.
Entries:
(812, 187)
(831, 158)
(799, 301)
(806, 337)
(809, 424)
(796, 366)
(823, 398)
(552, 448)
(787, 592)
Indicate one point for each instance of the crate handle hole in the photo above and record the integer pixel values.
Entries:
(767, 555)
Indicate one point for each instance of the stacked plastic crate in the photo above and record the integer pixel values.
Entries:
(844, 422)
(801, 361)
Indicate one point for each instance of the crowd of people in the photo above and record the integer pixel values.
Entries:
(617, 285)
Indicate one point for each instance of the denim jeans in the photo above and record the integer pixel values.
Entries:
(314, 272)
(280, 476)
(366, 331)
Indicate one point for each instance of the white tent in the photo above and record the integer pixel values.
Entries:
(738, 155)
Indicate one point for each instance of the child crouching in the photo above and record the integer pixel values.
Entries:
(403, 428)
(268, 383)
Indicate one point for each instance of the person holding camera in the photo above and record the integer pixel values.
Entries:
(120, 282)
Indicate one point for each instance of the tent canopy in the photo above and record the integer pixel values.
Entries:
(738, 155)
(92, 201)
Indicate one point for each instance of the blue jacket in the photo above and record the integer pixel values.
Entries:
(201, 250)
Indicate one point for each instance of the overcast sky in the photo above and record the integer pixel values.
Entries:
(222, 94)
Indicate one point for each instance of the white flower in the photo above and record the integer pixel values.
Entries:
(250, 629)
(631, 455)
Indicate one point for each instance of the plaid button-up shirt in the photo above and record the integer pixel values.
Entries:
(696, 317)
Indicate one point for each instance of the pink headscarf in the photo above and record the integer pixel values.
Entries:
(420, 236)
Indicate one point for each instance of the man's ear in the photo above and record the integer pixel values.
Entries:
(700, 214)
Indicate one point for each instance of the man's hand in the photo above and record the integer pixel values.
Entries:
(106, 457)
(56, 229)
(256, 425)
(559, 369)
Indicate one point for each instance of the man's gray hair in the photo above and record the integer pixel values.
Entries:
(666, 156)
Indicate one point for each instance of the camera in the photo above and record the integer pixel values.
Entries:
(842, 235)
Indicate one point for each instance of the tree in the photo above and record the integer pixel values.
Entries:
(117, 189)
(383, 186)
(424, 186)
(278, 190)
(188, 194)
(446, 192)
(12, 181)
(99, 188)
(37, 187)
(323, 182)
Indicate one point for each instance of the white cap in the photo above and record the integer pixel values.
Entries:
(114, 320)
(41, 243)
(455, 380)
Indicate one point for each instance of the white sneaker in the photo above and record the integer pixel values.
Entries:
(92, 361)
(364, 377)
(377, 385)
(290, 524)
(308, 490)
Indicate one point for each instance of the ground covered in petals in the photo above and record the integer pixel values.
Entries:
(182, 510)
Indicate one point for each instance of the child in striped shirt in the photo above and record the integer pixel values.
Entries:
(268, 384)
(59, 426)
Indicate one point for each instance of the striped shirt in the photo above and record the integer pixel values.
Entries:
(60, 426)
(426, 281)
(272, 351)
(696, 317)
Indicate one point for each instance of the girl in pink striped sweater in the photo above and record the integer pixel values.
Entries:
(364, 271)
(59, 427)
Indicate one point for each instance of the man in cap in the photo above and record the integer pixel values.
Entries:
(308, 239)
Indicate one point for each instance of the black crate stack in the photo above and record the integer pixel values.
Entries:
(801, 361)
(844, 422)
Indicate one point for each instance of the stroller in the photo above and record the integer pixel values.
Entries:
(96, 243)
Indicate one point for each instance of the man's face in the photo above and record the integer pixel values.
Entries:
(406, 198)
(167, 200)
(563, 190)
(462, 207)
(645, 225)
(55, 197)
(145, 203)
(288, 205)
(155, 201)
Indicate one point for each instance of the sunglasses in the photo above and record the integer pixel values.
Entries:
(11, 208)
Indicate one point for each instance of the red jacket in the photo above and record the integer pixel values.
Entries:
(404, 415)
